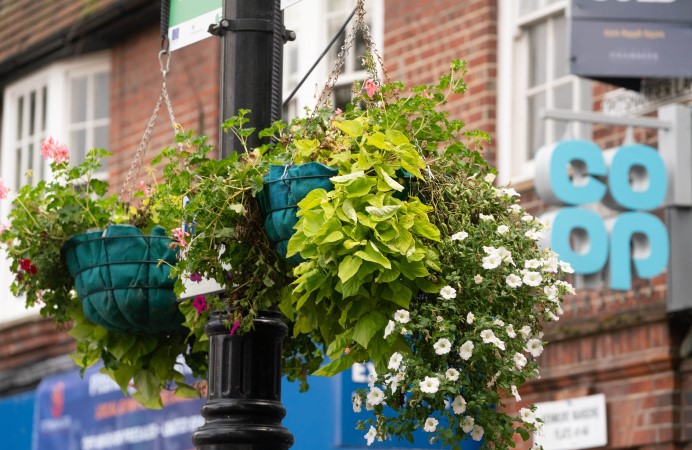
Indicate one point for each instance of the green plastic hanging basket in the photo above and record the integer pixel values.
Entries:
(284, 187)
(120, 280)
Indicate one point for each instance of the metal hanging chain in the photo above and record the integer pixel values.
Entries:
(164, 64)
(358, 25)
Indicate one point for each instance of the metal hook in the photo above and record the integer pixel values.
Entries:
(164, 65)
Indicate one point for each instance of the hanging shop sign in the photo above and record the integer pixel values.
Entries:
(623, 41)
(573, 424)
(189, 21)
(631, 180)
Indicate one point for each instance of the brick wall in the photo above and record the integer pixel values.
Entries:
(193, 86)
(423, 36)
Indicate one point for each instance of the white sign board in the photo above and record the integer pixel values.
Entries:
(573, 424)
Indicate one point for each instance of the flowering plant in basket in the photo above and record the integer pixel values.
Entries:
(416, 261)
(65, 225)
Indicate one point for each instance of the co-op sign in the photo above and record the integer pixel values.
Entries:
(631, 179)
(631, 38)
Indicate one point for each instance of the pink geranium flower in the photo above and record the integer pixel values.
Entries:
(52, 149)
(3, 190)
(371, 88)
(179, 234)
(234, 328)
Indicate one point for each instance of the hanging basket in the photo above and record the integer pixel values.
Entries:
(284, 187)
(121, 281)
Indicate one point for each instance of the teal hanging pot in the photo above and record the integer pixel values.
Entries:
(122, 279)
(284, 187)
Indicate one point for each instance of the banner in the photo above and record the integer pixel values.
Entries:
(91, 413)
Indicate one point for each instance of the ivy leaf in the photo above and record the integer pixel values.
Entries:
(185, 391)
(367, 326)
(147, 390)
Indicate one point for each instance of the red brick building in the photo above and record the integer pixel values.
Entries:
(88, 74)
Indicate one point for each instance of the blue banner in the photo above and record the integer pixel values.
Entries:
(91, 413)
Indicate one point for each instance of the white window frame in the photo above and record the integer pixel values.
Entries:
(56, 78)
(514, 162)
(307, 19)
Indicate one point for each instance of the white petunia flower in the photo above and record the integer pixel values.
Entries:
(389, 328)
(511, 192)
(402, 316)
(527, 415)
(371, 435)
(498, 323)
(567, 286)
(506, 255)
(443, 346)
(429, 385)
(488, 336)
(490, 177)
(491, 261)
(357, 403)
(533, 234)
(550, 265)
(499, 343)
(516, 209)
(467, 424)
(533, 263)
(469, 318)
(375, 396)
(430, 424)
(566, 267)
(369, 407)
(535, 347)
(460, 236)
(527, 218)
(532, 279)
(478, 279)
(395, 361)
(452, 374)
(489, 250)
(513, 280)
(551, 316)
(477, 433)
(466, 350)
(552, 292)
(525, 331)
(486, 217)
(459, 405)
(515, 393)
(448, 292)
(503, 229)
(519, 360)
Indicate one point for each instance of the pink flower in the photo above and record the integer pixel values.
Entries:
(141, 186)
(371, 88)
(52, 149)
(234, 327)
(196, 277)
(200, 304)
(179, 234)
(3, 228)
(3, 190)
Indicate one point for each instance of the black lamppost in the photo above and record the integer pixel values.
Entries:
(243, 409)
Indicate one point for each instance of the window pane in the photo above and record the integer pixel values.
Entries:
(342, 96)
(44, 107)
(528, 6)
(77, 146)
(560, 34)
(538, 54)
(101, 98)
(30, 157)
(536, 124)
(101, 137)
(18, 169)
(20, 117)
(562, 98)
(32, 113)
(78, 88)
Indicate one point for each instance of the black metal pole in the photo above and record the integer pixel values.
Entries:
(243, 409)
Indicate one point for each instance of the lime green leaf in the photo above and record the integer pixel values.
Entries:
(339, 343)
(349, 267)
(335, 367)
(312, 200)
(351, 127)
(348, 177)
(185, 391)
(383, 212)
(367, 326)
(349, 210)
(391, 182)
(377, 140)
(372, 254)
